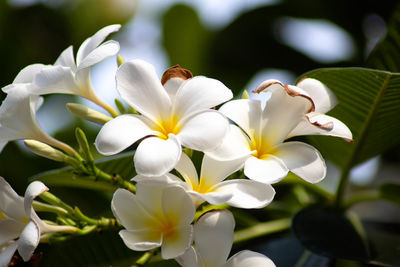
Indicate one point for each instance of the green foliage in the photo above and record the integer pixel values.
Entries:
(390, 192)
(335, 234)
(121, 164)
(386, 55)
(369, 103)
(185, 39)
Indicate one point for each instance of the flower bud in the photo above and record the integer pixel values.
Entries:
(120, 60)
(86, 113)
(45, 150)
(245, 95)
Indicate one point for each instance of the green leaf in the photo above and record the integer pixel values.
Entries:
(390, 192)
(121, 164)
(98, 249)
(386, 55)
(369, 104)
(185, 38)
(335, 234)
(331, 233)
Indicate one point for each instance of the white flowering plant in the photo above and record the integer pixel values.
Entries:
(189, 158)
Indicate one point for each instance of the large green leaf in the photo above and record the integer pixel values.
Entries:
(121, 164)
(335, 234)
(369, 104)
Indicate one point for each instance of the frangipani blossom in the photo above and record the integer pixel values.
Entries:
(156, 216)
(315, 121)
(213, 238)
(172, 115)
(68, 76)
(20, 226)
(261, 146)
(240, 193)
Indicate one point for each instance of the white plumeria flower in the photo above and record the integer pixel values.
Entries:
(18, 117)
(156, 216)
(68, 76)
(315, 121)
(267, 157)
(240, 193)
(172, 115)
(20, 226)
(213, 237)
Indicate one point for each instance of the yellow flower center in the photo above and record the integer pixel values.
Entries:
(2, 216)
(169, 127)
(167, 228)
(262, 150)
(202, 187)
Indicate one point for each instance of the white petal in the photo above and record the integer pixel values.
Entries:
(214, 171)
(213, 236)
(187, 169)
(269, 171)
(204, 131)
(320, 124)
(245, 113)
(246, 258)
(161, 180)
(11, 204)
(27, 74)
(189, 258)
(155, 156)
(121, 132)
(109, 48)
(214, 198)
(176, 244)
(28, 240)
(282, 113)
(32, 191)
(247, 194)
(141, 240)
(324, 100)
(130, 212)
(235, 145)
(92, 42)
(17, 115)
(56, 79)
(139, 85)
(200, 93)
(303, 160)
(9, 230)
(173, 197)
(66, 59)
(7, 253)
(172, 86)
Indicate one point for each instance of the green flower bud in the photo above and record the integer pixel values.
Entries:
(86, 113)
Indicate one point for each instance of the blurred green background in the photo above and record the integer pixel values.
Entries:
(238, 42)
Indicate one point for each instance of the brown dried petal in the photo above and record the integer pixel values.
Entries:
(176, 72)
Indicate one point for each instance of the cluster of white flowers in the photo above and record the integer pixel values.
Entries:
(175, 111)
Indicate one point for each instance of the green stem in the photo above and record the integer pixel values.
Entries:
(368, 195)
(208, 208)
(145, 258)
(39, 206)
(262, 229)
(311, 187)
(53, 200)
(114, 179)
(339, 196)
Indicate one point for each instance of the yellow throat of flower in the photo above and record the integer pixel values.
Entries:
(169, 127)
(2, 216)
(262, 150)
